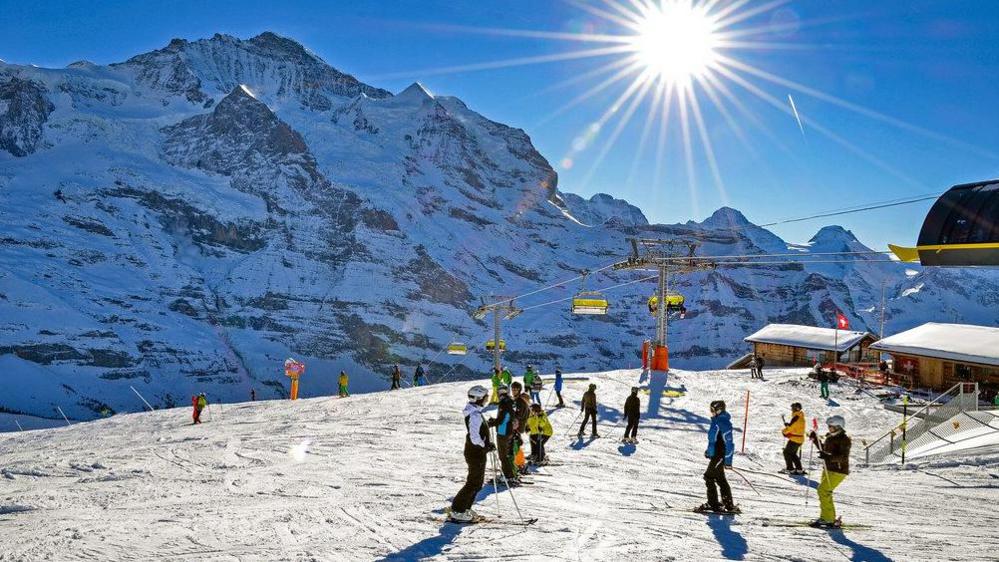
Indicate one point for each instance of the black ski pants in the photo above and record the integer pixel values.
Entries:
(395, 384)
(631, 431)
(792, 455)
(505, 450)
(714, 478)
(538, 446)
(475, 458)
(589, 416)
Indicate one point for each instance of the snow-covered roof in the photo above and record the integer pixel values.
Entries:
(958, 342)
(808, 337)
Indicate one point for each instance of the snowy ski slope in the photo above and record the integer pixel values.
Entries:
(360, 479)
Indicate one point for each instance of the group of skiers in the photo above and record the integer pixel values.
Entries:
(756, 363)
(419, 377)
(517, 413)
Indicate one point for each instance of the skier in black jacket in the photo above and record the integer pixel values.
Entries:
(477, 448)
(505, 423)
(632, 413)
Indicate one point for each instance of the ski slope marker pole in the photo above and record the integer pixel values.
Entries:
(19, 428)
(63, 415)
(141, 398)
(745, 423)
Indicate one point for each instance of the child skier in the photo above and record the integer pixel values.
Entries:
(540, 430)
(477, 449)
(505, 423)
(835, 451)
(396, 378)
(344, 381)
(721, 449)
(589, 408)
(632, 413)
(794, 432)
(558, 387)
(522, 408)
(537, 385)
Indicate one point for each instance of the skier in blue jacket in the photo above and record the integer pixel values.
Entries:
(721, 449)
(558, 387)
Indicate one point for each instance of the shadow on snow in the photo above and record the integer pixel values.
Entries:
(734, 546)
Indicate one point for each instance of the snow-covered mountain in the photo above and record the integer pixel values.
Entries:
(186, 219)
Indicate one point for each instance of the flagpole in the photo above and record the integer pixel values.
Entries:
(836, 343)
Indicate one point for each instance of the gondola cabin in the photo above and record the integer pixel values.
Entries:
(961, 229)
(491, 345)
(457, 348)
(590, 302)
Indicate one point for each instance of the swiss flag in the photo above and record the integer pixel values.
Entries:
(841, 322)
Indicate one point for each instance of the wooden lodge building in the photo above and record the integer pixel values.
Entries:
(938, 356)
(790, 345)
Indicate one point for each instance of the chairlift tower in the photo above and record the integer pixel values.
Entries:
(502, 308)
(670, 256)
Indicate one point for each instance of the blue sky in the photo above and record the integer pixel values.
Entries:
(927, 66)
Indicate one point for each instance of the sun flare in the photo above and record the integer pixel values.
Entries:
(675, 42)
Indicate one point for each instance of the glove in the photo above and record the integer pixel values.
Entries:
(823, 455)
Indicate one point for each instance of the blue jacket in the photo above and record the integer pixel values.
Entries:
(721, 425)
(558, 381)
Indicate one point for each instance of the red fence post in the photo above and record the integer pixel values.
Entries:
(745, 423)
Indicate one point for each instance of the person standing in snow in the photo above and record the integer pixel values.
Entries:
(522, 406)
(823, 379)
(537, 385)
(253, 395)
(505, 423)
(834, 449)
(195, 410)
(507, 377)
(477, 449)
(497, 382)
(540, 430)
(752, 366)
(720, 451)
(343, 382)
(794, 432)
(632, 413)
(589, 408)
(396, 378)
(759, 367)
(418, 378)
(558, 387)
(200, 402)
(529, 377)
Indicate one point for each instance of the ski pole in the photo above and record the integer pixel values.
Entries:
(573, 424)
(510, 490)
(811, 449)
(492, 459)
(743, 476)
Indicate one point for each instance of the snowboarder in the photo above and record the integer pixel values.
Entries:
(721, 449)
(540, 430)
(558, 387)
(823, 378)
(418, 378)
(200, 402)
(396, 378)
(343, 382)
(253, 395)
(632, 413)
(537, 385)
(477, 449)
(505, 423)
(835, 451)
(497, 381)
(589, 408)
(794, 432)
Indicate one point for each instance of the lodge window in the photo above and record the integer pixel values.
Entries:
(963, 372)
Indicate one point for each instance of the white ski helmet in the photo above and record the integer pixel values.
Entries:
(836, 421)
(477, 393)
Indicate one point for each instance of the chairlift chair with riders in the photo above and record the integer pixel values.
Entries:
(491, 345)
(674, 303)
(589, 302)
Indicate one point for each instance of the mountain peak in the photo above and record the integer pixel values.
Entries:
(275, 43)
(415, 91)
(833, 233)
(726, 217)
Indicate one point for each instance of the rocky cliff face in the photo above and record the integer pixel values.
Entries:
(185, 220)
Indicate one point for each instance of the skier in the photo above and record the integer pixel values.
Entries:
(753, 366)
(537, 385)
(344, 381)
(835, 451)
(823, 378)
(253, 395)
(759, 367)
(558, 387)
(632, 413)
(505, 423)
(794, 432)
(418, 378)
(529, 377)
(396, 378)
(721, 449)
(195, 410)
(477, 449)
(589, 408)
(507, 377)
(497, 382)
(522, 407)
(540, 430)
(200, 403)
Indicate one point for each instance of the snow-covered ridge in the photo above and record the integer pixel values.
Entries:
(186, 220)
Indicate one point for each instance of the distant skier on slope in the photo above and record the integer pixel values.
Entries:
(344, 381)
(720, 451)
(477, 448)
(253, 395)
(823, 378)
(505, 423)
(632, 413)
(558, 387)
(834, 449)
(522, 404)
(200, 402)
(396, 378)
(752, 366)
(540, 430)
(589, 408)
(537, 385)
(529, 377)
(418, 376)
(195, 410)
(794, 432)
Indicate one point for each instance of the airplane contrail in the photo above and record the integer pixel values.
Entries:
(796, 116)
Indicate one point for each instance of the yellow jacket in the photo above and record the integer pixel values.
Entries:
(343, 379)
(795, 431)
(539, 425)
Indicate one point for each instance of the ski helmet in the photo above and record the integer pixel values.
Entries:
(718, 406)
(634, 390)
(796, 406)
(836, 421)
(593, 387)
(477, 393)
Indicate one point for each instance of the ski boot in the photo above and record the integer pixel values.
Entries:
(708, 508)
(821, 524)
(461, 516)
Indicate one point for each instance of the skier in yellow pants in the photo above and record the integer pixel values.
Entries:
(494, 399)
(835, 451)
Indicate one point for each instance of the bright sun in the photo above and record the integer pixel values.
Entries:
(675, 41)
